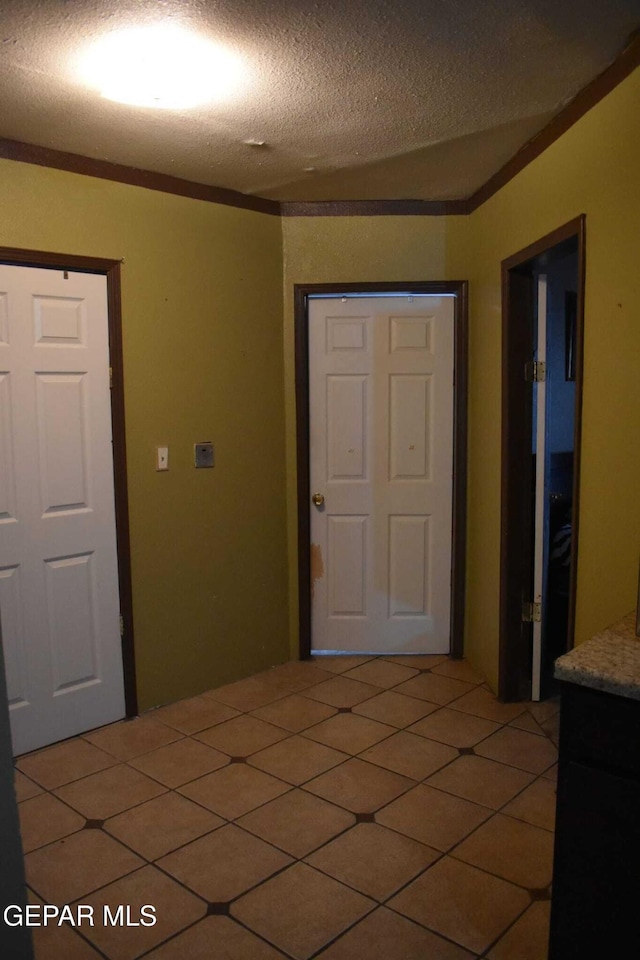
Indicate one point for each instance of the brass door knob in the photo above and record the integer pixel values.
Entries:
(318, 499)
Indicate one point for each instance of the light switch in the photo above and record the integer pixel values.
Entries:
(162, 458)
(203, 454)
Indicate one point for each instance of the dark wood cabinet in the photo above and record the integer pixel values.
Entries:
(595, 903)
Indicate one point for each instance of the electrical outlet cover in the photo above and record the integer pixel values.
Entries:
(203, 454)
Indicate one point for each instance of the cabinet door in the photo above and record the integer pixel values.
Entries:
(597, 865)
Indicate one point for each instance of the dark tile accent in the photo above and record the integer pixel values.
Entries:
(365, 818)
(344, 709)
(93, 824)
(466, 751)
(238, 760)
(218, 909)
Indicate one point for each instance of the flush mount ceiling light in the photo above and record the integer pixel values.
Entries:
(160, 66)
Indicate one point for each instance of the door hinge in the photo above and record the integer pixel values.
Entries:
(535, 371)
(110, 378)
(122, 626)
(531, 612)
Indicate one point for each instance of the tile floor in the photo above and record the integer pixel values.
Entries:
(351, 808)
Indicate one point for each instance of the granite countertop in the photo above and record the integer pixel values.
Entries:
(609, 661)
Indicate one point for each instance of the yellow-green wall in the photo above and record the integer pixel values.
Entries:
(202, 330)
(594, 169)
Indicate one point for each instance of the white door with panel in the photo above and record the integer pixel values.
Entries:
(59, 597)
(381, 463)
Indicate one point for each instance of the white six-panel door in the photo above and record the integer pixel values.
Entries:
(381, 456)
(59, 599)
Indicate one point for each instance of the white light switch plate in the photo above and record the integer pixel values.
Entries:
(162, 458)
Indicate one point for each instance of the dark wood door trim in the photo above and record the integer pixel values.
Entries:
(515, 533)
(111, 270)
(458, 558)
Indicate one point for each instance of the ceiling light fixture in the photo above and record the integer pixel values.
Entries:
(161, 66)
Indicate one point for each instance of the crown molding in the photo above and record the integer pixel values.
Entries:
(105, 170)
(617, 71)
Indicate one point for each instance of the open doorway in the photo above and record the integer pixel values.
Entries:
(543, 293)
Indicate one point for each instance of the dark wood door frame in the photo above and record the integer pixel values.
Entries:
(458, 557)
(111, 270)
(516, 545)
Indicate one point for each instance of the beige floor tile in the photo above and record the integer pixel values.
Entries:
(177, 763)
(373, 860)
(551, 728)
(297, 822)
(458, 670)
(161, 825)
(297, 759)
(54, 943)
(73, 867)
(296, 675)
(511, 849)
(63, 763)
(234, 790)
(433, 817)
(341, 692)
(24, 787)
(44, 819)
(318, 909)
(295, 713)
(536, 804)
(381, 673)
(544, 709)
(551, 773)
(197, 713)
(358, 786)
(418, 661)
(242, 736)
(410, 755)
(462, 903)
(349, 732)
(435, 689)
(248, 694)
(339, 664)
(394, 708)
(528, 938)
(232, 942)
(481, 780)
(481, 702)
(526, 722)
(385, 935)
(519, 749)
(455, 728)
(175, 907)
(111, 791)
(225, 863)
(131, 738)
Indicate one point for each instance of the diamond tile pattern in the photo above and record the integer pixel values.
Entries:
(318, 909)
(373, 860)
(225, 863)
(348, 807)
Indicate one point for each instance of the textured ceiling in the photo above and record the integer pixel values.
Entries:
(384, 99)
